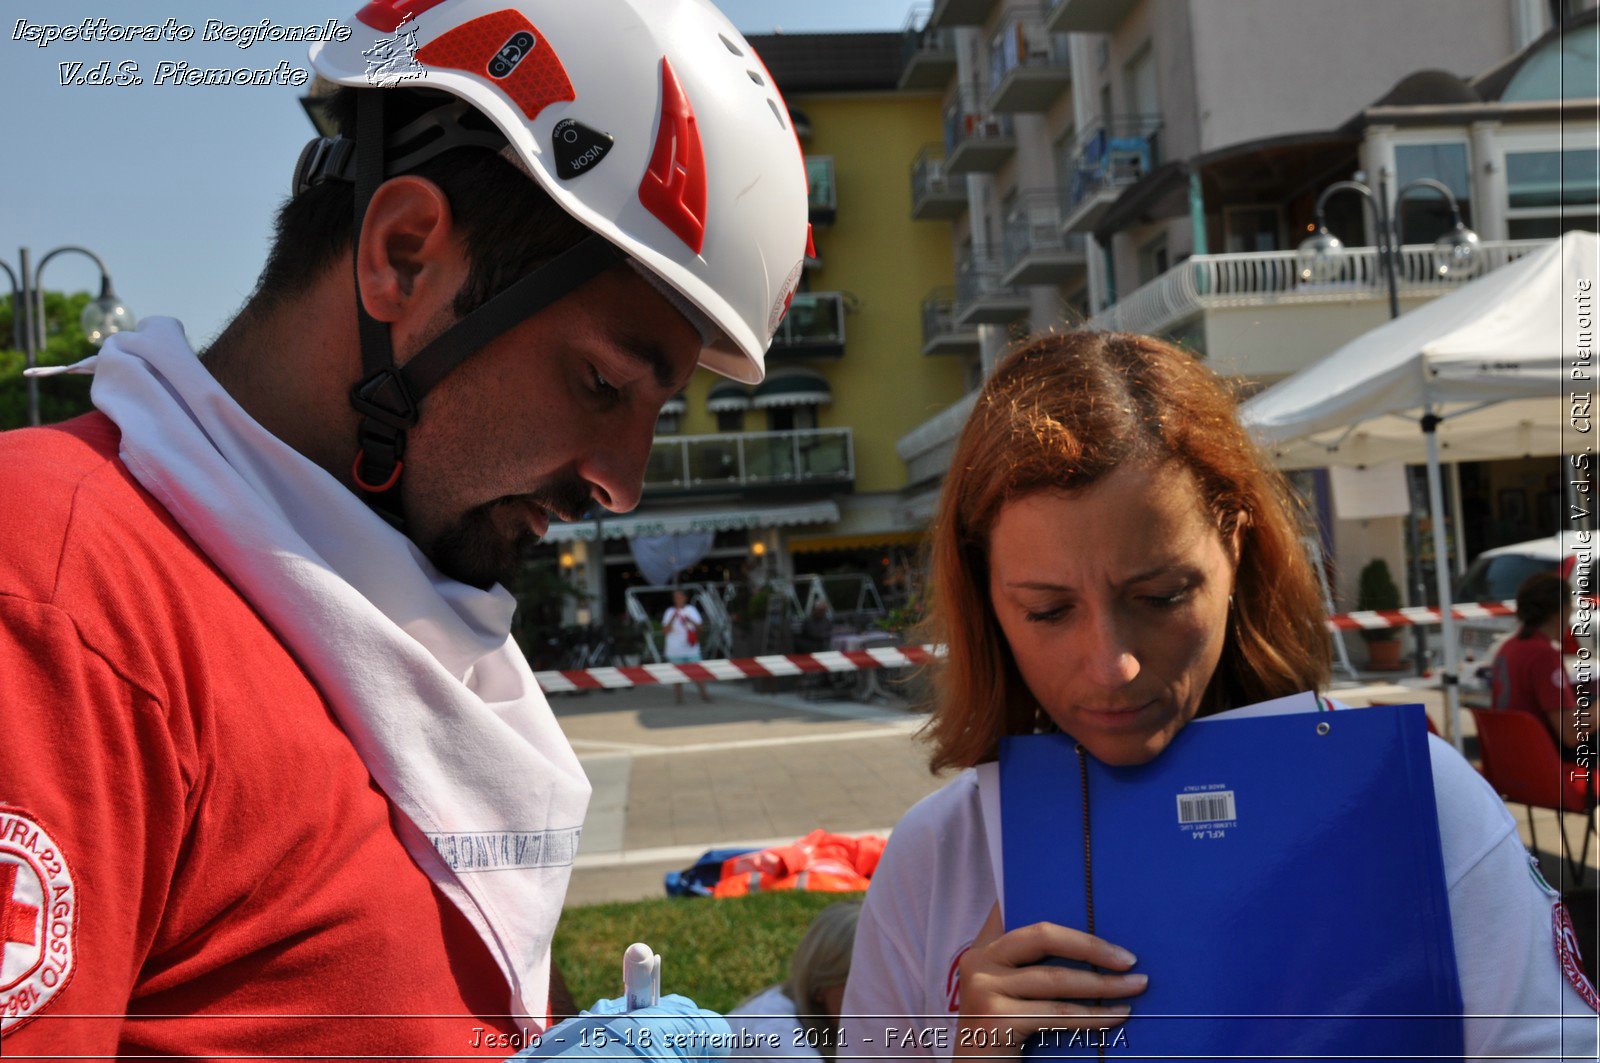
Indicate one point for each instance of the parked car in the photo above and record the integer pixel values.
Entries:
(1494, 576)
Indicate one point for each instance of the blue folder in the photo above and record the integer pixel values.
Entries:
(1279, 878)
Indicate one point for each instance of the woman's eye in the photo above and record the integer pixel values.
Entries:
(1167, 601)
(601, 385)
(1046, 616)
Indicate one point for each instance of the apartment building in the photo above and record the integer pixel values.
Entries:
(1152, 166)
(800, 474)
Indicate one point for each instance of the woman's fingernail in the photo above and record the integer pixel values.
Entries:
(1140, 980)
(1126, 958)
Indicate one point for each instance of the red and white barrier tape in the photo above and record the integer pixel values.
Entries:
(904, 656)
(738, 668)
(1373, 620)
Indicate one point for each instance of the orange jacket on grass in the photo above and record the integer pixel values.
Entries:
(824, 862)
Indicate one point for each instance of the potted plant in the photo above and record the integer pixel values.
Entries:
(1378, 591)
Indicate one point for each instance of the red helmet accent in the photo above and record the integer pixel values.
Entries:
(674, 186)
(536, 77)
(386, 16)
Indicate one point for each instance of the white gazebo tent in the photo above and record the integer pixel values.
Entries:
(1485, 372)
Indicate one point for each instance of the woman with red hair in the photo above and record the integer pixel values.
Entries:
(1112, 558)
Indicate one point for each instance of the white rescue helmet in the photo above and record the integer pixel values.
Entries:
(653, 122)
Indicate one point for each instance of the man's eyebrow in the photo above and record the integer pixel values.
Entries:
(649, 353)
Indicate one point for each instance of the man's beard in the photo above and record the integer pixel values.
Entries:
(477, 551)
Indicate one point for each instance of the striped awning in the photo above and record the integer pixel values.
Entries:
(676, 406)
(793, 387)
(728, 396)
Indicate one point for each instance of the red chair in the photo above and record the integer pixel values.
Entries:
(1523, 764)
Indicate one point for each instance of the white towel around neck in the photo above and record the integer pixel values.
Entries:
(420, 670)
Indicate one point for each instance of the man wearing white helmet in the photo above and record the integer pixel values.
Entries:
(277, 780)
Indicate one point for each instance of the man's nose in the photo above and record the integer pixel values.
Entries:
(614, 467)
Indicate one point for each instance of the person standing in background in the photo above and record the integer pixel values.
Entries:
(682, 624)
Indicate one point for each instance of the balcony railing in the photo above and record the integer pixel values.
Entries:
(813, 327)
(1036, 249)
(928, 54)
(824, 200)
(1107, 157)
(981, 296)
(1029, 67)
(1269, 278)
(976, 139)
(940, 332)
(822, 456)
(935, 193)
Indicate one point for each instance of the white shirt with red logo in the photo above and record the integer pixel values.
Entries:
(934, 889)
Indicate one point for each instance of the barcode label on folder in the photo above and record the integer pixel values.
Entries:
(1206, 808)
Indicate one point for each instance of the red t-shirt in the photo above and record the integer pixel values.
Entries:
(1529, 675)
(193, 859)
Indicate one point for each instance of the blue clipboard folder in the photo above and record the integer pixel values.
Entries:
(1279, 878)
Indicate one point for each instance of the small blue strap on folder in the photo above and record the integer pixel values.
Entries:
(1279, 878)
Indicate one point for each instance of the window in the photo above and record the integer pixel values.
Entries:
(669, 424)
(1139, 83)
(791, 418)
(730, 421)
(1552, 192)
(1425, 215)
(1252, 229)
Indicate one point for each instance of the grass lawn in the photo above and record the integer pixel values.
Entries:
(716, 952)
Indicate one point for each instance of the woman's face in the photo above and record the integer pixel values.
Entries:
(1114, 600)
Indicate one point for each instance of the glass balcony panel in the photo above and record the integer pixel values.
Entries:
(734, 460)
(713, 460)
(769, 458)
(823, 198)
(823, 455)
(816, 318)
(665, 467)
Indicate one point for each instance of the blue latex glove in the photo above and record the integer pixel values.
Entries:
(676, 1030)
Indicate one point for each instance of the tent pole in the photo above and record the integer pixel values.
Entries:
(1449, 677)
(1457, 518)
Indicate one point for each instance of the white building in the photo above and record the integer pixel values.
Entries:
(1152, 165)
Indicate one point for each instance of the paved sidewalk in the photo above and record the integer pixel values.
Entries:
(745, 769)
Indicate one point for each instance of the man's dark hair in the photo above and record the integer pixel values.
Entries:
(511, 225)
(1541, 596)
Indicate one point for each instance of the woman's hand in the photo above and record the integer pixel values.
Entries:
(1007, 995)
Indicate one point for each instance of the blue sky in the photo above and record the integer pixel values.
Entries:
(175, 186)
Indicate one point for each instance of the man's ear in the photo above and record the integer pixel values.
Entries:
(410, 256)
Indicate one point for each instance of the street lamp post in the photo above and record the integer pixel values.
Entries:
(1456, 254)
(103, 317)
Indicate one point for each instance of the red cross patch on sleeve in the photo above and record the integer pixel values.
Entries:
(38, 917)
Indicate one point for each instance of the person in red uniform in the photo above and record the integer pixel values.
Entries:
(1527, 673)
(276, 779)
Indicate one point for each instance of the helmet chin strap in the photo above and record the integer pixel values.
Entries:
(389, 396)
